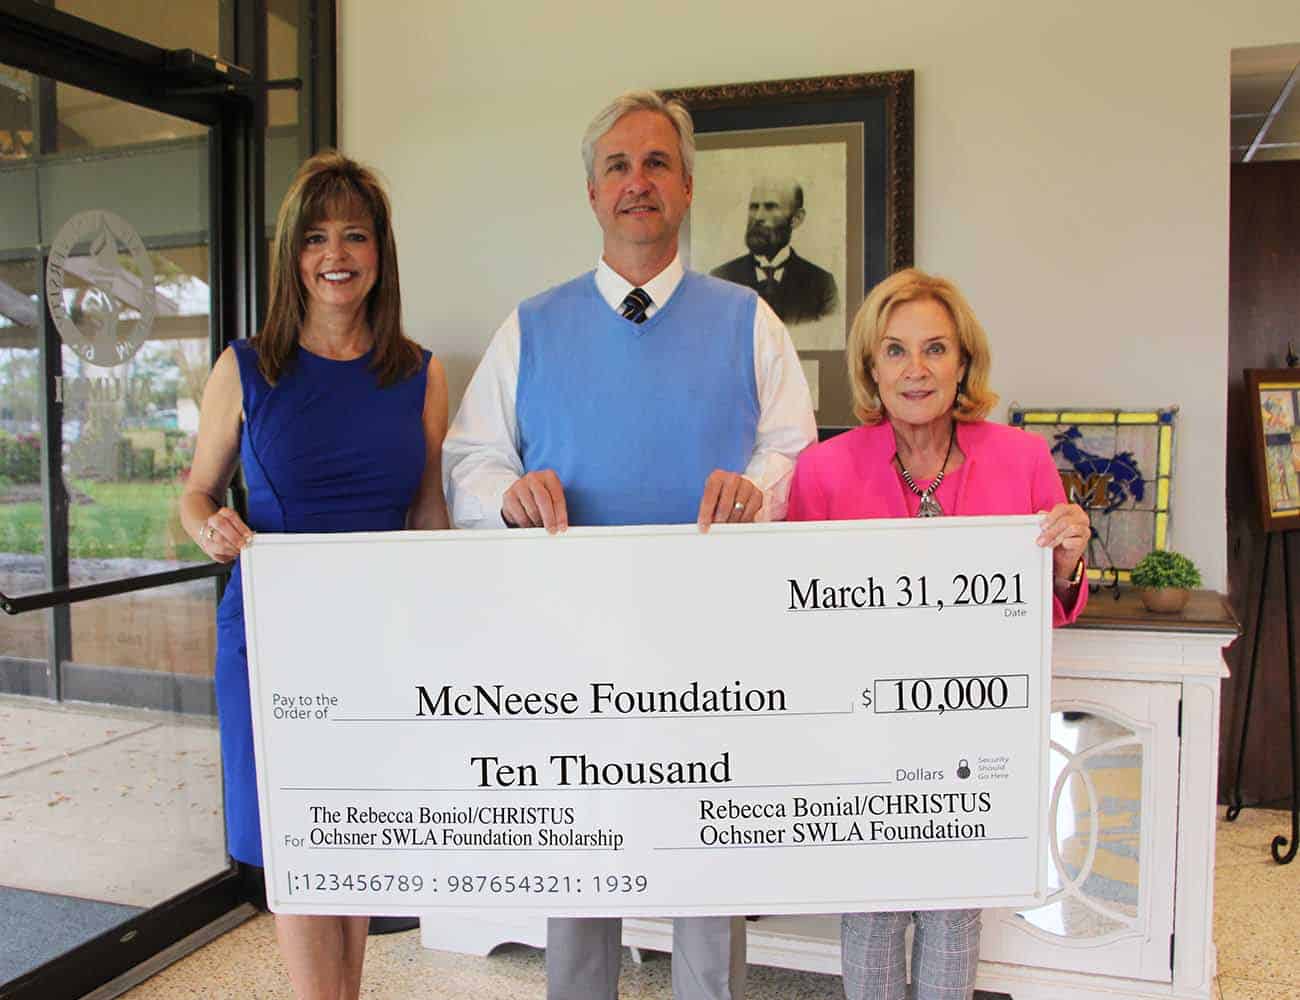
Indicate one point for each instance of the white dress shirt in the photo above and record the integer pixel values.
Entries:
(480, 458)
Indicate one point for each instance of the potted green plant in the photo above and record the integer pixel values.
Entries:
(1165, 580)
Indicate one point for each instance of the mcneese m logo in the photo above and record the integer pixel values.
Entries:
(1098, 482)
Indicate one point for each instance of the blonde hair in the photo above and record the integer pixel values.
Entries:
(974, 397)
(331, 186)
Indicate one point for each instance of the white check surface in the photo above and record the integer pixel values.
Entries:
(651, 720)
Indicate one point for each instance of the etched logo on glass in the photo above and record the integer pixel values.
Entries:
(99, 284)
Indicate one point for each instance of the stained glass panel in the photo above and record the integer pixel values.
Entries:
(1118, 465)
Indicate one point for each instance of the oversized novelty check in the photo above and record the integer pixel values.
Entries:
(764, 719)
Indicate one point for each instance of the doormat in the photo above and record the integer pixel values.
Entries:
(38, 926)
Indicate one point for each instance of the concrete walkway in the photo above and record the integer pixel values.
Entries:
(117, 805)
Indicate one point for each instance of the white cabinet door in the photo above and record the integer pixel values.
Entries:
(1114, 820)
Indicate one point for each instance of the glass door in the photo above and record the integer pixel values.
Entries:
(112, 222)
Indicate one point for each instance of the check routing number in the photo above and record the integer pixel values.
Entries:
(762, 719)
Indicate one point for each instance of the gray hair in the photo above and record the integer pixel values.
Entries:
(640, 100)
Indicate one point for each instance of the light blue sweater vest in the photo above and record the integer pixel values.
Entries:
(633, 418)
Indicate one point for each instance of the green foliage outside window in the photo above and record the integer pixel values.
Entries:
(135, 520)
(20, 457)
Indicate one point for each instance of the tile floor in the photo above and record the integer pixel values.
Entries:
(1257, 925)
(1256, 910)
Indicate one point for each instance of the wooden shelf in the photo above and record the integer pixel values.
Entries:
(1206, 611)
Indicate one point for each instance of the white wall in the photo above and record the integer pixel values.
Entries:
(1071, 169)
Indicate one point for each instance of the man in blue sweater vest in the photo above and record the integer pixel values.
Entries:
(640, 393)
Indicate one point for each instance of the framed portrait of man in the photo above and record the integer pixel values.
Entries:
(803, 192)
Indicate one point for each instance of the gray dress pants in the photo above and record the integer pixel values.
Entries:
(583, 955)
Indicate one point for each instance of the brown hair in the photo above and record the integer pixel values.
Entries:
(974, 397)
(331, 186)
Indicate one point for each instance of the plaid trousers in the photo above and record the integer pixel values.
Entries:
(945, 953)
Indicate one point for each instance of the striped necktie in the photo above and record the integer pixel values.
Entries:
(635, 305)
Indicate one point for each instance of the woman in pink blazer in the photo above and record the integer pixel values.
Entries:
(919, 366)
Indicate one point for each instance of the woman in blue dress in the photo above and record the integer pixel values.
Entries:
(337, 420)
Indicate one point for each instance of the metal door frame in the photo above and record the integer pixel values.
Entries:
(229, 98)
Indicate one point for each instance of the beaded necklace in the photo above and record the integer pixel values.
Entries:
(929, 505)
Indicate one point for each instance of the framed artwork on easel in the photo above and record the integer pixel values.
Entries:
(1273, 396)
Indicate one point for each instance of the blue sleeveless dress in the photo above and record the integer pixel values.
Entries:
(324, 450)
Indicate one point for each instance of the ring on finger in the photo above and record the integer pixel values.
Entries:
(738, 505)
(209, 532)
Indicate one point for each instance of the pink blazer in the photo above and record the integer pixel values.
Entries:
(852, 477)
